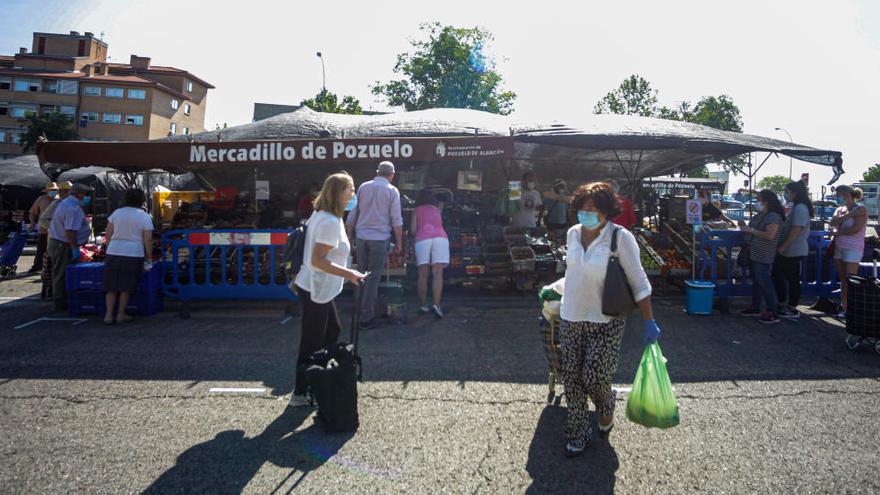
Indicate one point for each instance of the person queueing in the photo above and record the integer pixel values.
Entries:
(850, 224)
(530, 204)
(627, 217)
(764, 231)
(589, 340)
(431, 247)
(556, 206)
(711, 213)
(323, 272)
(37, 208)
(792, 250)
(68, 231)
(372, 222)
(129, 242)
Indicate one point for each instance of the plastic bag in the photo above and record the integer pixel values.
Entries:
(652, 402)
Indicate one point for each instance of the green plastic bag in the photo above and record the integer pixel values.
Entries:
(652, 402)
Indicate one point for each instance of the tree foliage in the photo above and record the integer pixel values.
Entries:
(349, 104)
(872, 174)
(634, 96)
(55, 126)
(447, 69)
(775, 183)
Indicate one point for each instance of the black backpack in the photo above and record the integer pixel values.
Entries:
(294, 250)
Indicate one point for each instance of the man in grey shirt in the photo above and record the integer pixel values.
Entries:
(68, 231)
(372, 222)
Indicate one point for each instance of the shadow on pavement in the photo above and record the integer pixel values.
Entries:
(551, 472)
(228, 462)
(479, 341)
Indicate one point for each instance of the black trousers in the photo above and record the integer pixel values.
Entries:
(787, 278)
(320, 329)
(42, 242)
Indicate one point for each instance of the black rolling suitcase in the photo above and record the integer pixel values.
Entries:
(863, 310)
(332, 375)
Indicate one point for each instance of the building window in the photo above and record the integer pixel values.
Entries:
(112, 118)
(173, 129)
(27, 85)
(134, 120)
(137, 94)
(67, 110)
(51, 87)
(2, 136)
(189, 86)
(89, 116)
(187, 108)
(113, 92)
(41, 45)
(17, 137)
(68, 87)
(185, 131)
(81, 49)
(4, 108)
(22, 111)
(92, 90)
(5, 84)
(175, 104)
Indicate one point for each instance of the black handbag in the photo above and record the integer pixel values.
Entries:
(617, 295)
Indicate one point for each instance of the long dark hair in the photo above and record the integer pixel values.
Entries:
(427, 197)
(772, 201)
(801, 195)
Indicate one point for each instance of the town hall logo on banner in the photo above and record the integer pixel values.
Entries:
(441, 150)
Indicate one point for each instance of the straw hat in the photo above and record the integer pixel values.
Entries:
(65, 186)
(50, 186)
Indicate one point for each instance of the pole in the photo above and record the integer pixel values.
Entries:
(790, 141)
(323, 83)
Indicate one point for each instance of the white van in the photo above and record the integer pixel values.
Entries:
(871, 197)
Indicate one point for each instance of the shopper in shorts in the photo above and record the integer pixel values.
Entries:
(850, 224)
(432, 248)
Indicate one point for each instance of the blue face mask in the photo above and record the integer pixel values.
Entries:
(589, 219)
(52, 194)
(87, 200)
(840, 201)
(352, 203)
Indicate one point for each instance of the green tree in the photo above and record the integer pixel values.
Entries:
(775, 183)
(54, 126)
(448, 69)
(634, 96)
(872, 174)
(349, 104)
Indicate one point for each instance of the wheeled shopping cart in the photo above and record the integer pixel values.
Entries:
(863, 311)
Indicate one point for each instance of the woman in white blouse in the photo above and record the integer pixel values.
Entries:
(589, 340)
(323, 273)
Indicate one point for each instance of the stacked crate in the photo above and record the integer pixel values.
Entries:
(86, 295)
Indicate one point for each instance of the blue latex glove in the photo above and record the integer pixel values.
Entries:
(74, 254)
(650, 332)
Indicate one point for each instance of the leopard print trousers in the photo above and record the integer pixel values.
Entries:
(590, 352)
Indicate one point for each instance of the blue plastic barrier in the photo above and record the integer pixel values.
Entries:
(818, 280)
(225, 264)
(735, 213)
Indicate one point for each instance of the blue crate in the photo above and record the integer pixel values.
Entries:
(85, 302)
(145, 303)
(151, 281)
(85, 276)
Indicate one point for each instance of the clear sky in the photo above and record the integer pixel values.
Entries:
(811, 67)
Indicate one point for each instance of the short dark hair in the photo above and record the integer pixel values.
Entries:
(601, 195)
(135, 198)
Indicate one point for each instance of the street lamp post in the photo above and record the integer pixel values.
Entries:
(323, 83)
(791, 141)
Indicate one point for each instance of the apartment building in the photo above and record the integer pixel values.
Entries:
(70, 74)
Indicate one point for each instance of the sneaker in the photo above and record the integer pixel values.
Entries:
(604, 431)
(424, 309)
(789, 314)
(750, 311)
(437, 311)
(297, 400)
(841, 314)
(767, 317)
(572, 451)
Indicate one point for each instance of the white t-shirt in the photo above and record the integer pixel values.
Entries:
(129, 225)
(585, 273)
(527, 216)
(328, 229)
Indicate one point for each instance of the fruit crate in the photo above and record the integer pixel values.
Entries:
(523, 259)
(85, 276)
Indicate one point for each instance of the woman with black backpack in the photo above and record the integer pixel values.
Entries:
(323, 273)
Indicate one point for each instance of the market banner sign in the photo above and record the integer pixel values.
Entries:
(200, 155)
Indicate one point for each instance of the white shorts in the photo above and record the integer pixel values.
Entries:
(847, 255)
(432, 251)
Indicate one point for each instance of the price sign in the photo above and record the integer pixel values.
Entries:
(694, 211)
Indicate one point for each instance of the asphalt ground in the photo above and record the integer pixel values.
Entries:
(447, 406)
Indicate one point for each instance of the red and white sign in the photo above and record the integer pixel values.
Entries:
(694, 211)
(237, 238)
